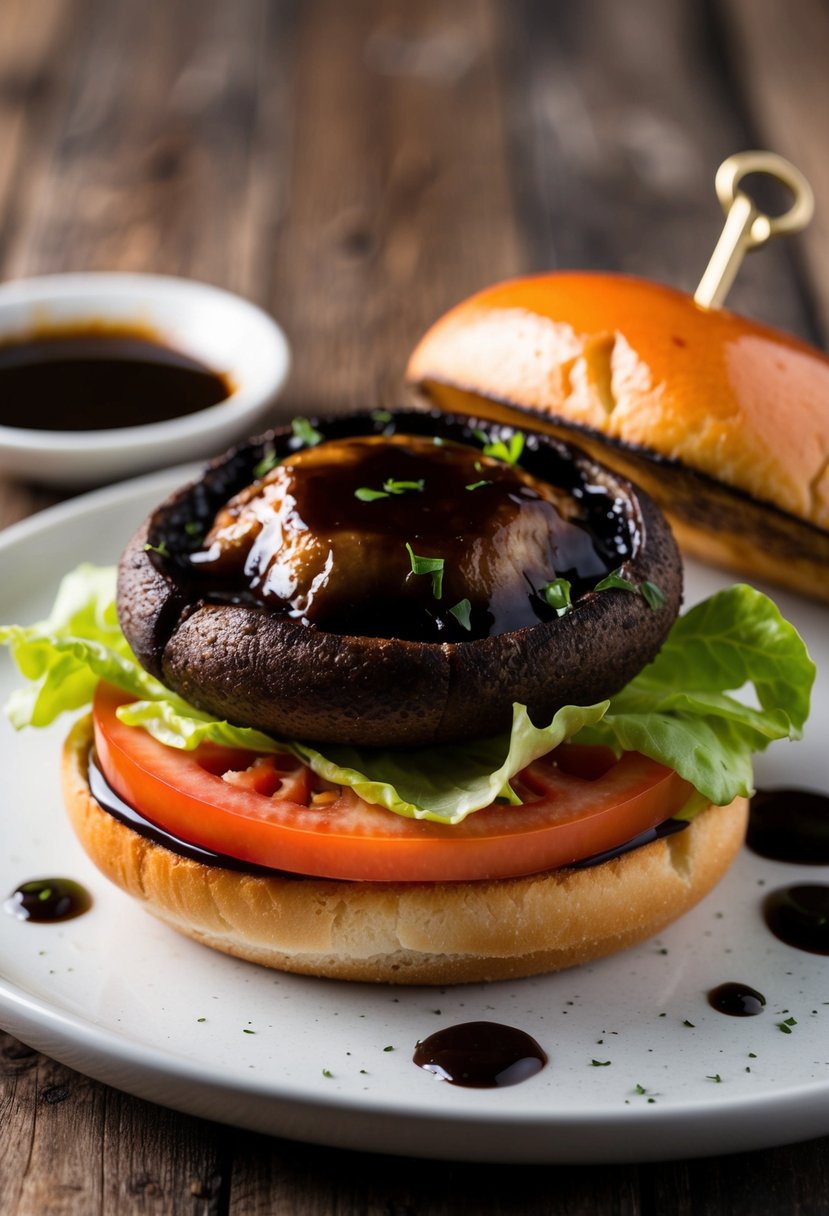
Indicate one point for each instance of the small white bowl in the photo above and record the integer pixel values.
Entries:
(229, 335)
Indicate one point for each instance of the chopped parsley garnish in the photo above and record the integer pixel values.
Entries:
(691, 1024)
(326, 1072)
(615, 581)
(600, 1063)
(389, 1048)
(390, 486)
(476, 485)
(653, 595)
(269, 461)
(715, 1077)
(557, 594)
(460, 612)
(303, 431)
(380, 416)
(507, 451)
(45, 894)
(160, 549)
(640, 1089)
(428, 565)
(366, 495)
(786, 1027)
(193, 528)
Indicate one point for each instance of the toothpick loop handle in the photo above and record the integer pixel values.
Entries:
(746, 226)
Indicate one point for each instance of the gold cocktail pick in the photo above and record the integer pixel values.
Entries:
(746, 226)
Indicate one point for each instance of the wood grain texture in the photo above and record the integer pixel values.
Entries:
(621, 115)
(400, 194)
(70, 1145)
(300, 1180)
(780, 67)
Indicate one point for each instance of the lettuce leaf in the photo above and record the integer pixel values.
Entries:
(680, 710)
(447, 783)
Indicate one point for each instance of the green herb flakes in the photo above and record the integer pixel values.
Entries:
(476, 485)
(390, 486)
(461, 612)
(303, 431)
(653, 595)
(367, 495)
(428, 565)
(508, 451)
(269, 461)
(161, 549)
(600, 1063)
(557, 593)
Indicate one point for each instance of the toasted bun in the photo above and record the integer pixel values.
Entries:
(724, 421)
(424, 933)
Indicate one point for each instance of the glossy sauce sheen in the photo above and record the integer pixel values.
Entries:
(305, 541)
(87, 380)
(480, 1055)
(114, 805)
(47, 900)
(799, 916)
(790, 825)
(736, 1000)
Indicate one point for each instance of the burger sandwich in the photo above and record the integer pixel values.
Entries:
(405, 698)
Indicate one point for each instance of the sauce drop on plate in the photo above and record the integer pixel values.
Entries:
(736, 1000)
(480, 1055)
(799, 916)
(46, 900)
(790, 825)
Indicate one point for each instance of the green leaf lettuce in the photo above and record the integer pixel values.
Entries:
(681, 710)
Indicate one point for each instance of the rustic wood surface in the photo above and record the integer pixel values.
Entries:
(357, 168)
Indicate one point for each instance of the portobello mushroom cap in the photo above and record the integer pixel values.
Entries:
(255, 667)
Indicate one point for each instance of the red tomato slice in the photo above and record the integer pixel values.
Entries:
(273, 811)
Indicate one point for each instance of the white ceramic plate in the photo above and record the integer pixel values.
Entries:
(126, 1000)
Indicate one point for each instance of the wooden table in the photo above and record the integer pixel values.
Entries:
(357, 168)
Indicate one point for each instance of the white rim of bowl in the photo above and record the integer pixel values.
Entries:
(122, 286)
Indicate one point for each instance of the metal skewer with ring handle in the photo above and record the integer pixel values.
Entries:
(746, 226)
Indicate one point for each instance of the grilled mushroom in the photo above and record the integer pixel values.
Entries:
(399, 580)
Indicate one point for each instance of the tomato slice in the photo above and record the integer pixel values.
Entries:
(273, 811)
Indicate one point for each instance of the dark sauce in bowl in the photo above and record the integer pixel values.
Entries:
(95, 378)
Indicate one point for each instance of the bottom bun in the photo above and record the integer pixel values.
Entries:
(409, 933)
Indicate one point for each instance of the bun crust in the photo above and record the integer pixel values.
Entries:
(723, 420)
(421, 933)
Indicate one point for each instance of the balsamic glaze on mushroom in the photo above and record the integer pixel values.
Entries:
(381, 580)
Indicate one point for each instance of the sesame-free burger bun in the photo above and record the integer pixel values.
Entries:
(723, 420)
(418, 933)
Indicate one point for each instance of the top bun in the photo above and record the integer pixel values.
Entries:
(725, 421)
